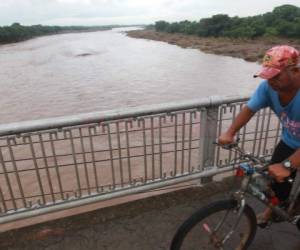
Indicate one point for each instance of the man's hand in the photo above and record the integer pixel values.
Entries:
(241, 119)
(279, 172)
(226, 138)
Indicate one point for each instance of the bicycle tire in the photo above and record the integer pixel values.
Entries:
(213, 208)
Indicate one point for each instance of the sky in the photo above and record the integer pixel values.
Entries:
(124, 12)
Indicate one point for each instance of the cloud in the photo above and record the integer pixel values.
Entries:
(74, 2)
(125, 11)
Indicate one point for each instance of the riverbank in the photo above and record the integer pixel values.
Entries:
(59, 33)
(249, 50)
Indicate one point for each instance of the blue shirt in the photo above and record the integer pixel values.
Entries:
(289, 115)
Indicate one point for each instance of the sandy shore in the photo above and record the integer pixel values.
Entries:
(250, 50)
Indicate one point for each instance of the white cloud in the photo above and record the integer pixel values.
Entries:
(74, 1)
(126, 11)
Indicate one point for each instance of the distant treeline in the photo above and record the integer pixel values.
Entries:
(283, 21)
(17, 32)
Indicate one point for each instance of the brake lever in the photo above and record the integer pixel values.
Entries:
(265, 168)
(228, 146)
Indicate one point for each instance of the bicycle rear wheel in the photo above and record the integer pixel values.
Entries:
(208, 227)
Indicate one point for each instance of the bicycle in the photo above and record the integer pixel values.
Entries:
(231, 223)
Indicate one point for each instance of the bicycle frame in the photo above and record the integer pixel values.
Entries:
(235, 211)
(246, 188)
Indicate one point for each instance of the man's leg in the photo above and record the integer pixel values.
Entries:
(282, 189)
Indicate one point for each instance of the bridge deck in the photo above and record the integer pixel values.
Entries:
(147, 224)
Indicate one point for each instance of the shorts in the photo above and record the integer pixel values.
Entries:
(282, 152)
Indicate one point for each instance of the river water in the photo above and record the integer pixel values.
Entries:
(75, 73)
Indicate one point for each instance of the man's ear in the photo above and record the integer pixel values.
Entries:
(296, 70)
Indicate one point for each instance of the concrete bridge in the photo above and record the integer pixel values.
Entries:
(53, 168)
(147, 224)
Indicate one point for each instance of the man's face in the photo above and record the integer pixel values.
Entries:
(283, 81)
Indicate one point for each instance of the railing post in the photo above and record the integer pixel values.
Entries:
(208, 133)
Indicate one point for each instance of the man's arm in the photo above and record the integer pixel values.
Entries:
(242, 118)
(259, 100)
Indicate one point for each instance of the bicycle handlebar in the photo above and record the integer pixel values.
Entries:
(252, 158)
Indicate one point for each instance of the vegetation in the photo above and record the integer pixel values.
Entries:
(17, 32)
(283, 21)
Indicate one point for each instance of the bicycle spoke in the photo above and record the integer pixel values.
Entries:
(222, 221)
(210, 234)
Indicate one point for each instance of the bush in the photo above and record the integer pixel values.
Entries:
(283, 21)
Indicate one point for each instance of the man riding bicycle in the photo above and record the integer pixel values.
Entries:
(280, 90)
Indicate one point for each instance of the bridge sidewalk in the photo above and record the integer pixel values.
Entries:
(147, 224)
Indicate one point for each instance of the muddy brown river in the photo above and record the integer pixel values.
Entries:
(68, 74)
(75, 73)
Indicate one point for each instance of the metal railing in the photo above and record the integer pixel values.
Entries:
(60, 163)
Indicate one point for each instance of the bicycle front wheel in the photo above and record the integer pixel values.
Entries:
(210, 227)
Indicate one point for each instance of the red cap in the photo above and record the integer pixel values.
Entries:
(276, 59)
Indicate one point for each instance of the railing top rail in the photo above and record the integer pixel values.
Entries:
(97, 117)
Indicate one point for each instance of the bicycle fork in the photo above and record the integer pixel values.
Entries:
(241, 203)
(239, 197)
(219, 243)
(240, 212)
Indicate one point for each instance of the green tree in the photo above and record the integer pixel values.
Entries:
(173, 28)
(214, 26)
(17, 32)
(282, 21)
(285, 28)
(161, 25)
(287, 12)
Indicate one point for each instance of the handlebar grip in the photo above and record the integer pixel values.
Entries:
(265, 169)
(228, 146)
